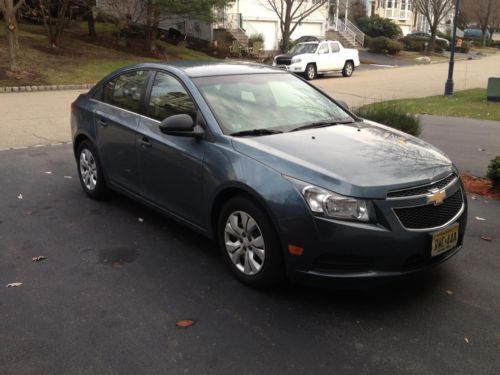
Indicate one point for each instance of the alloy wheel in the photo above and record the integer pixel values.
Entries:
(88, 169)
(244, 243)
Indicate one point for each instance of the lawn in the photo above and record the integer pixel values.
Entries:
(469, 103)
(79, 59)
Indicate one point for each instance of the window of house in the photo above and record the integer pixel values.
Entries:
(168, 98)
(126, 91)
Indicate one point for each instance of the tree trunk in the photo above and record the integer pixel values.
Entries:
(91, 21)
(285, 44)
(12, 46)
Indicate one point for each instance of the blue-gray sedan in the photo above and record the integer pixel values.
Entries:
(289, 182)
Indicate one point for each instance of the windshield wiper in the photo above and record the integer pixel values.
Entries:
(255, 132)
(321, 124)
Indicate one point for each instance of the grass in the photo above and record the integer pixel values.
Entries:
(469, 103)
(79, 59)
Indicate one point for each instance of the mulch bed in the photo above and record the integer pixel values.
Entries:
(480, 186)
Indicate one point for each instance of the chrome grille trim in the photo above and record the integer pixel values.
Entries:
(393, 195)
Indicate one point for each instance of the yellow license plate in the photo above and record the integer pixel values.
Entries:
(444, 240)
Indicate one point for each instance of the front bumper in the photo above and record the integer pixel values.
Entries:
(342, 250)
(293, 68)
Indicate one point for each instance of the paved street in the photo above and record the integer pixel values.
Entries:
(33, 118)
(107, 298)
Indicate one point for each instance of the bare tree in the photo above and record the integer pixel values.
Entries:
(484, 13)
(54, 19)
(434, 12)
(291, 13)
(9, 10)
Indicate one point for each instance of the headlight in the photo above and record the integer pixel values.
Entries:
(296, 60)
(334, 205)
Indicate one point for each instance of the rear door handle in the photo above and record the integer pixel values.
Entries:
(102, 123)
(145, 142)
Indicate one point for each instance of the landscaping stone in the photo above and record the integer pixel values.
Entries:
(423, 59)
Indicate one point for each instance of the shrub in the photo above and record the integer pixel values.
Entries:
(493, 172)
(385, 45)
(419, 44)
(393, 115)
(376, 26)
(257, 37)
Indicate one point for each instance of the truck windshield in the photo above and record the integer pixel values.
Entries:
(304, 48)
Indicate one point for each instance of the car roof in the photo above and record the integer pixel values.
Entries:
(195, 69)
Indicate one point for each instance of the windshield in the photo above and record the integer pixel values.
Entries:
(266, 101)
(304, 48)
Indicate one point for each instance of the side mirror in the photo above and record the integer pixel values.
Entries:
(181, 125)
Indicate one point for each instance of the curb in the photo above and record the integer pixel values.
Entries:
(10, 89)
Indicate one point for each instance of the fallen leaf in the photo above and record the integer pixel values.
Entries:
(47, 172)
(487, 238)
(474, 198)
(13, 285)
(68, 177)
(29, 212)
(466, 340)
(38, 258)
(141, 220)
(117, 265)
(480, 218)
(20, 196)
(482, 149)
(449, 292)
(185, 323)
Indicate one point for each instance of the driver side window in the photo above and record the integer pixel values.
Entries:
(323, 49)
(168, 98)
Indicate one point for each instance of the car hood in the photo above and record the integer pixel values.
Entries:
(290, 55)
(362, 159)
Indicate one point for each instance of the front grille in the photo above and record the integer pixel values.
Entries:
(283, 61)
(420, 190)
(430, 216)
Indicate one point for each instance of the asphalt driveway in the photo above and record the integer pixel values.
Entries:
(106, 299)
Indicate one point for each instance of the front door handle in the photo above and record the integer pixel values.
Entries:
(145, 142)
(102, 123)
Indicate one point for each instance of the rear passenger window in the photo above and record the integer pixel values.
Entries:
(334, 47)
(126, 90)
(168, 98)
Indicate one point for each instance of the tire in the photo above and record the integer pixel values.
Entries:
(90, 171)
(348, 69)
(310, 72)
(249, 243)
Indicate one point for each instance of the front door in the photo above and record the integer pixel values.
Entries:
(324, 58)
(171, 167)
(337, 61)
(116, 121)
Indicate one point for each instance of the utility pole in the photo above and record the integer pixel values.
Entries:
(448, 88)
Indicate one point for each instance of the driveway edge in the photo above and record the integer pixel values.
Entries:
(10, 89)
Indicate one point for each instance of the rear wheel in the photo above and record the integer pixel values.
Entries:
(249, 243)
(348, 69)
(90, 171)
(310, 72)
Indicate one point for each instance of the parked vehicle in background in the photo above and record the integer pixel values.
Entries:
(424, 36)
(475, 33)
(286, 180)
(314, 58)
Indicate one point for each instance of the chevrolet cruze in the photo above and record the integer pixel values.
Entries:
(289, 183)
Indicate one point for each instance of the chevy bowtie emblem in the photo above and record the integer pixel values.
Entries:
(436, 197)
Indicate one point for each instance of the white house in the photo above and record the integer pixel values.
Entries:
(257, 17)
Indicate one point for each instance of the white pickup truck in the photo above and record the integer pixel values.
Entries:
(318, 57)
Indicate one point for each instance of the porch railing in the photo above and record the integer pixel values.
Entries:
(349, 30)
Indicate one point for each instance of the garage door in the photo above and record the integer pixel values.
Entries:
(309, 28)
(268, 29)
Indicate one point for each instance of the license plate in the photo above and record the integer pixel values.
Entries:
(444, 240)
(282, 67)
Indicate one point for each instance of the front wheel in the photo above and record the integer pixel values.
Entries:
(249, 243)
(310, 72)
(348, 69)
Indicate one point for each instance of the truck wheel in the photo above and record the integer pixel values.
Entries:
(310, 71)
(348, 69)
